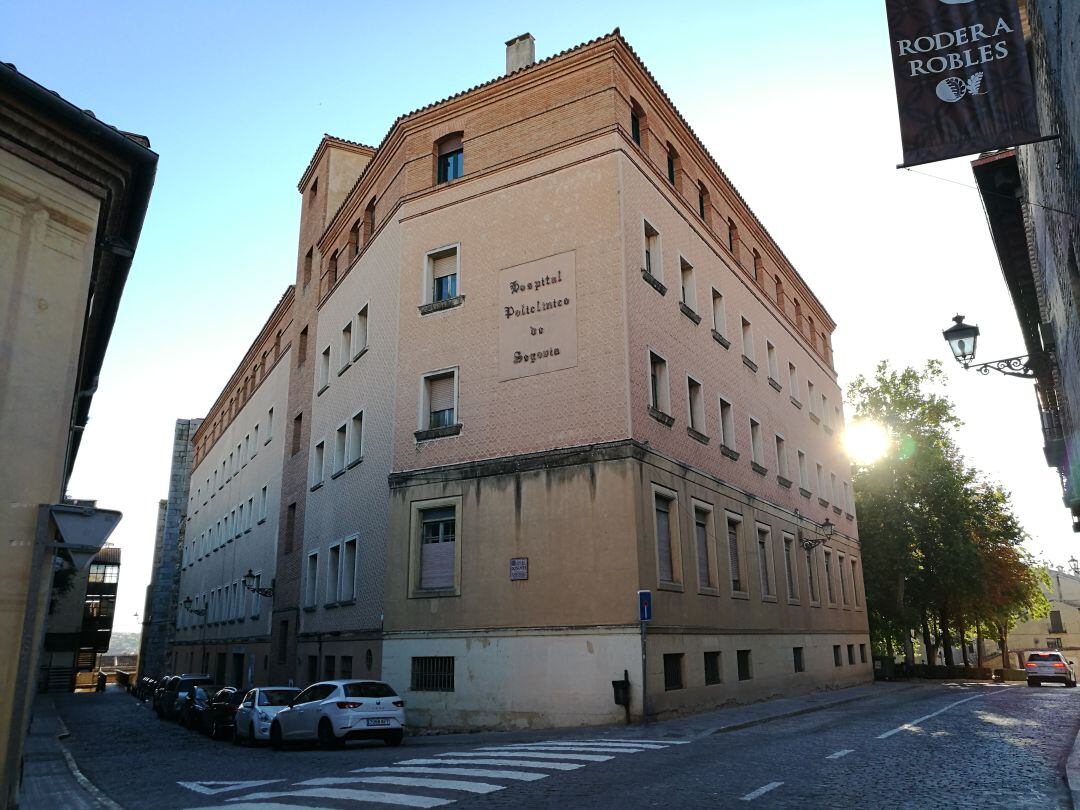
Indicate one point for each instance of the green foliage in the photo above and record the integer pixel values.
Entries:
(941, 546)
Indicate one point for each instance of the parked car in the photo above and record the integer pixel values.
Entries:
(164, 694)
(1050, 666)
(194, 708)
(175, 692)
(257, 711)
(219, 719)
(335, 711)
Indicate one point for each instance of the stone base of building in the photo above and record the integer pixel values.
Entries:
(562, 677)
(339, 655)
(239, 664)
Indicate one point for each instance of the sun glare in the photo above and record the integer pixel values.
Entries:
(866, 441)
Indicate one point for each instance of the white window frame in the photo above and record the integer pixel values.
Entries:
(674, 536)
(696, 506)
(311, 580)
(264, 496)
(804, 472)
(333, 574)
(341, 449)
(354, 541)
(740, 542)
(427, 293)
(318, 463)
(363, 313)
(773, 362)
(424, 404)
(663, 387)
(793, 381)
(354, 452)
(719, 314)
(791, 567)
(766, 569)
(695, 415)
(345, 347)
(417, 507)
(747, 334)
(726, 411)
(780, 447)
(757, 444)
(654, 265)
(325, 364)
(687, 295)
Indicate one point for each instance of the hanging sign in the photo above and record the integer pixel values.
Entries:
(962, 80)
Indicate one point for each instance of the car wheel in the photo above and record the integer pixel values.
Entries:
(214, 731)
(327, 738)
(1071, 684)
(1034, 682)
(277, 742)
(252, 740)
(394, 738)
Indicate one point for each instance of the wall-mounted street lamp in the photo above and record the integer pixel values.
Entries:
(249, 583)
(810, 543)
(186, 605)
(962, 338)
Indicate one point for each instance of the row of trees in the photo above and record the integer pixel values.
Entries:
(942, 550)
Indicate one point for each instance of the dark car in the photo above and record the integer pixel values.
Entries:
(219, 719)
(175, 692)
(195, 706)
(161, 692)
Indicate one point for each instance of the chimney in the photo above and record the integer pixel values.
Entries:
(520, 52)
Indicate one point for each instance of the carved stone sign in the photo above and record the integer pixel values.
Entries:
(538, 317)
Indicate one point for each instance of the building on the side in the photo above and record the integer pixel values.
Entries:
(545, 356)
(80, 620)
(160, 609)
(1029, 194)
(222, 624)
(73, 193)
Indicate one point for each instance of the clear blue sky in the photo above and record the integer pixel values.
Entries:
(793, 97)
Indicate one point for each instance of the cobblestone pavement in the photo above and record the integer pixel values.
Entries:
(934, 745)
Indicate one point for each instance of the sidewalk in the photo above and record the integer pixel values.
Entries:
(50, 776)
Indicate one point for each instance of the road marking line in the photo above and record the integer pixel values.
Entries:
(407, 799)
(529, 752)
(592, 744)
(653, 742)
(591, 749)
(263, 806)
(520, 776)
(761, 791)
(914, 723)
(843, 752)
(518, 763)
(407, 781)
(209, 787)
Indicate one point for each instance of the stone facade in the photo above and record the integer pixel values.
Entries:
(159, 613)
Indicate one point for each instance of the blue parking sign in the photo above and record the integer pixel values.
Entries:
(644, 606)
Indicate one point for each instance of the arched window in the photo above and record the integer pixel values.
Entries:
(637, 121)
(812, 334)
(307, 266)
(277, 345)
(703, 202)
(759, 269)
(798, 314)
(449, 158)
(331, 273)
(369, 221)
(779, 291)
(672, 165)
(732, 236)
(354, 239)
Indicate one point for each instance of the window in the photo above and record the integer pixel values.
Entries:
(778, 291)
(100, 572)
(313, 192)
(837, 656)
(659, 395)
(653, 264)
(450, 158)
(1055, 616)
(747, 340)
(862, 653)
(442, 275)
(732, 236)
(297, 426)
(354, 239)
(301, 355)
(851, 654)
(346, 667)
(702, 201)
(307, 267)
(727, 424)
(782, 459)
(356, 438)
(333, 573)
(664, 550)
(789, 567)
(329, 667)
(369, 221)
(432, 673)
(764, 567)
(832, 487)
(340, 448)
(847, 498)
(438, 535)
(811, 579)
(255, 441)
(348, 571)
(713, 672)
(757, 451)
(250, 514)
(673, 671)
(672, 165)
(828, 577)
(345, 351)
(746, 671)
(311, 580)
(810, 397)
(440, 398)
(637, 115)
(759, 269)
(323, 380)
(1051, 644)
(331, 271)
(797, 655)
(360, 338)
(697, 405)
(793, 381)
(719, 319)
(686, 276)
(774, 366)
(825, 410)
(706, 571)
(820, 481)
(734, 554)
(318, 464)
(804, 476)
(269, 425)
(262, 504)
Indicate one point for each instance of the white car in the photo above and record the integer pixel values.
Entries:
(1049, 666)
(258, 709)
(335, 711)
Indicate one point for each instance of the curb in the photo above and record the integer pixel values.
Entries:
(86, 784)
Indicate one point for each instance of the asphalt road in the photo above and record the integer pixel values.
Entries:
(935, 745)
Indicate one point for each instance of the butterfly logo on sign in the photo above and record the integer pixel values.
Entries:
(953, 89)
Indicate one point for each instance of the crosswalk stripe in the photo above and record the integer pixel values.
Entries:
(486, 773)
(527, 752)
(591, 744)
(650, 742)
(409, 800)
(575, 753)
(519, 763)
(262, 806)
(406, 781)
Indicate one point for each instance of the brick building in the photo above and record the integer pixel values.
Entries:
(543, 356)
(1030, 196)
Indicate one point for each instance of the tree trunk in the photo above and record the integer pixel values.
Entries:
(946, 637)
(929, 646)
(909, 650)
(1003, 642)
(978, 645)
(963, 644)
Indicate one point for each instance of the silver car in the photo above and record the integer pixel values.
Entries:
(1049, 666)
(257, 711)
(335, 711)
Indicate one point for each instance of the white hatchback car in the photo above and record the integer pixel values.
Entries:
(335, 711)
(257, 711)
(1049, 666)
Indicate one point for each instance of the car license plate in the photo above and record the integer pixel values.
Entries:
(378, 721)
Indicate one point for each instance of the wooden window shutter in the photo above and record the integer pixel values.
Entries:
(441, 393)
(444, 264)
